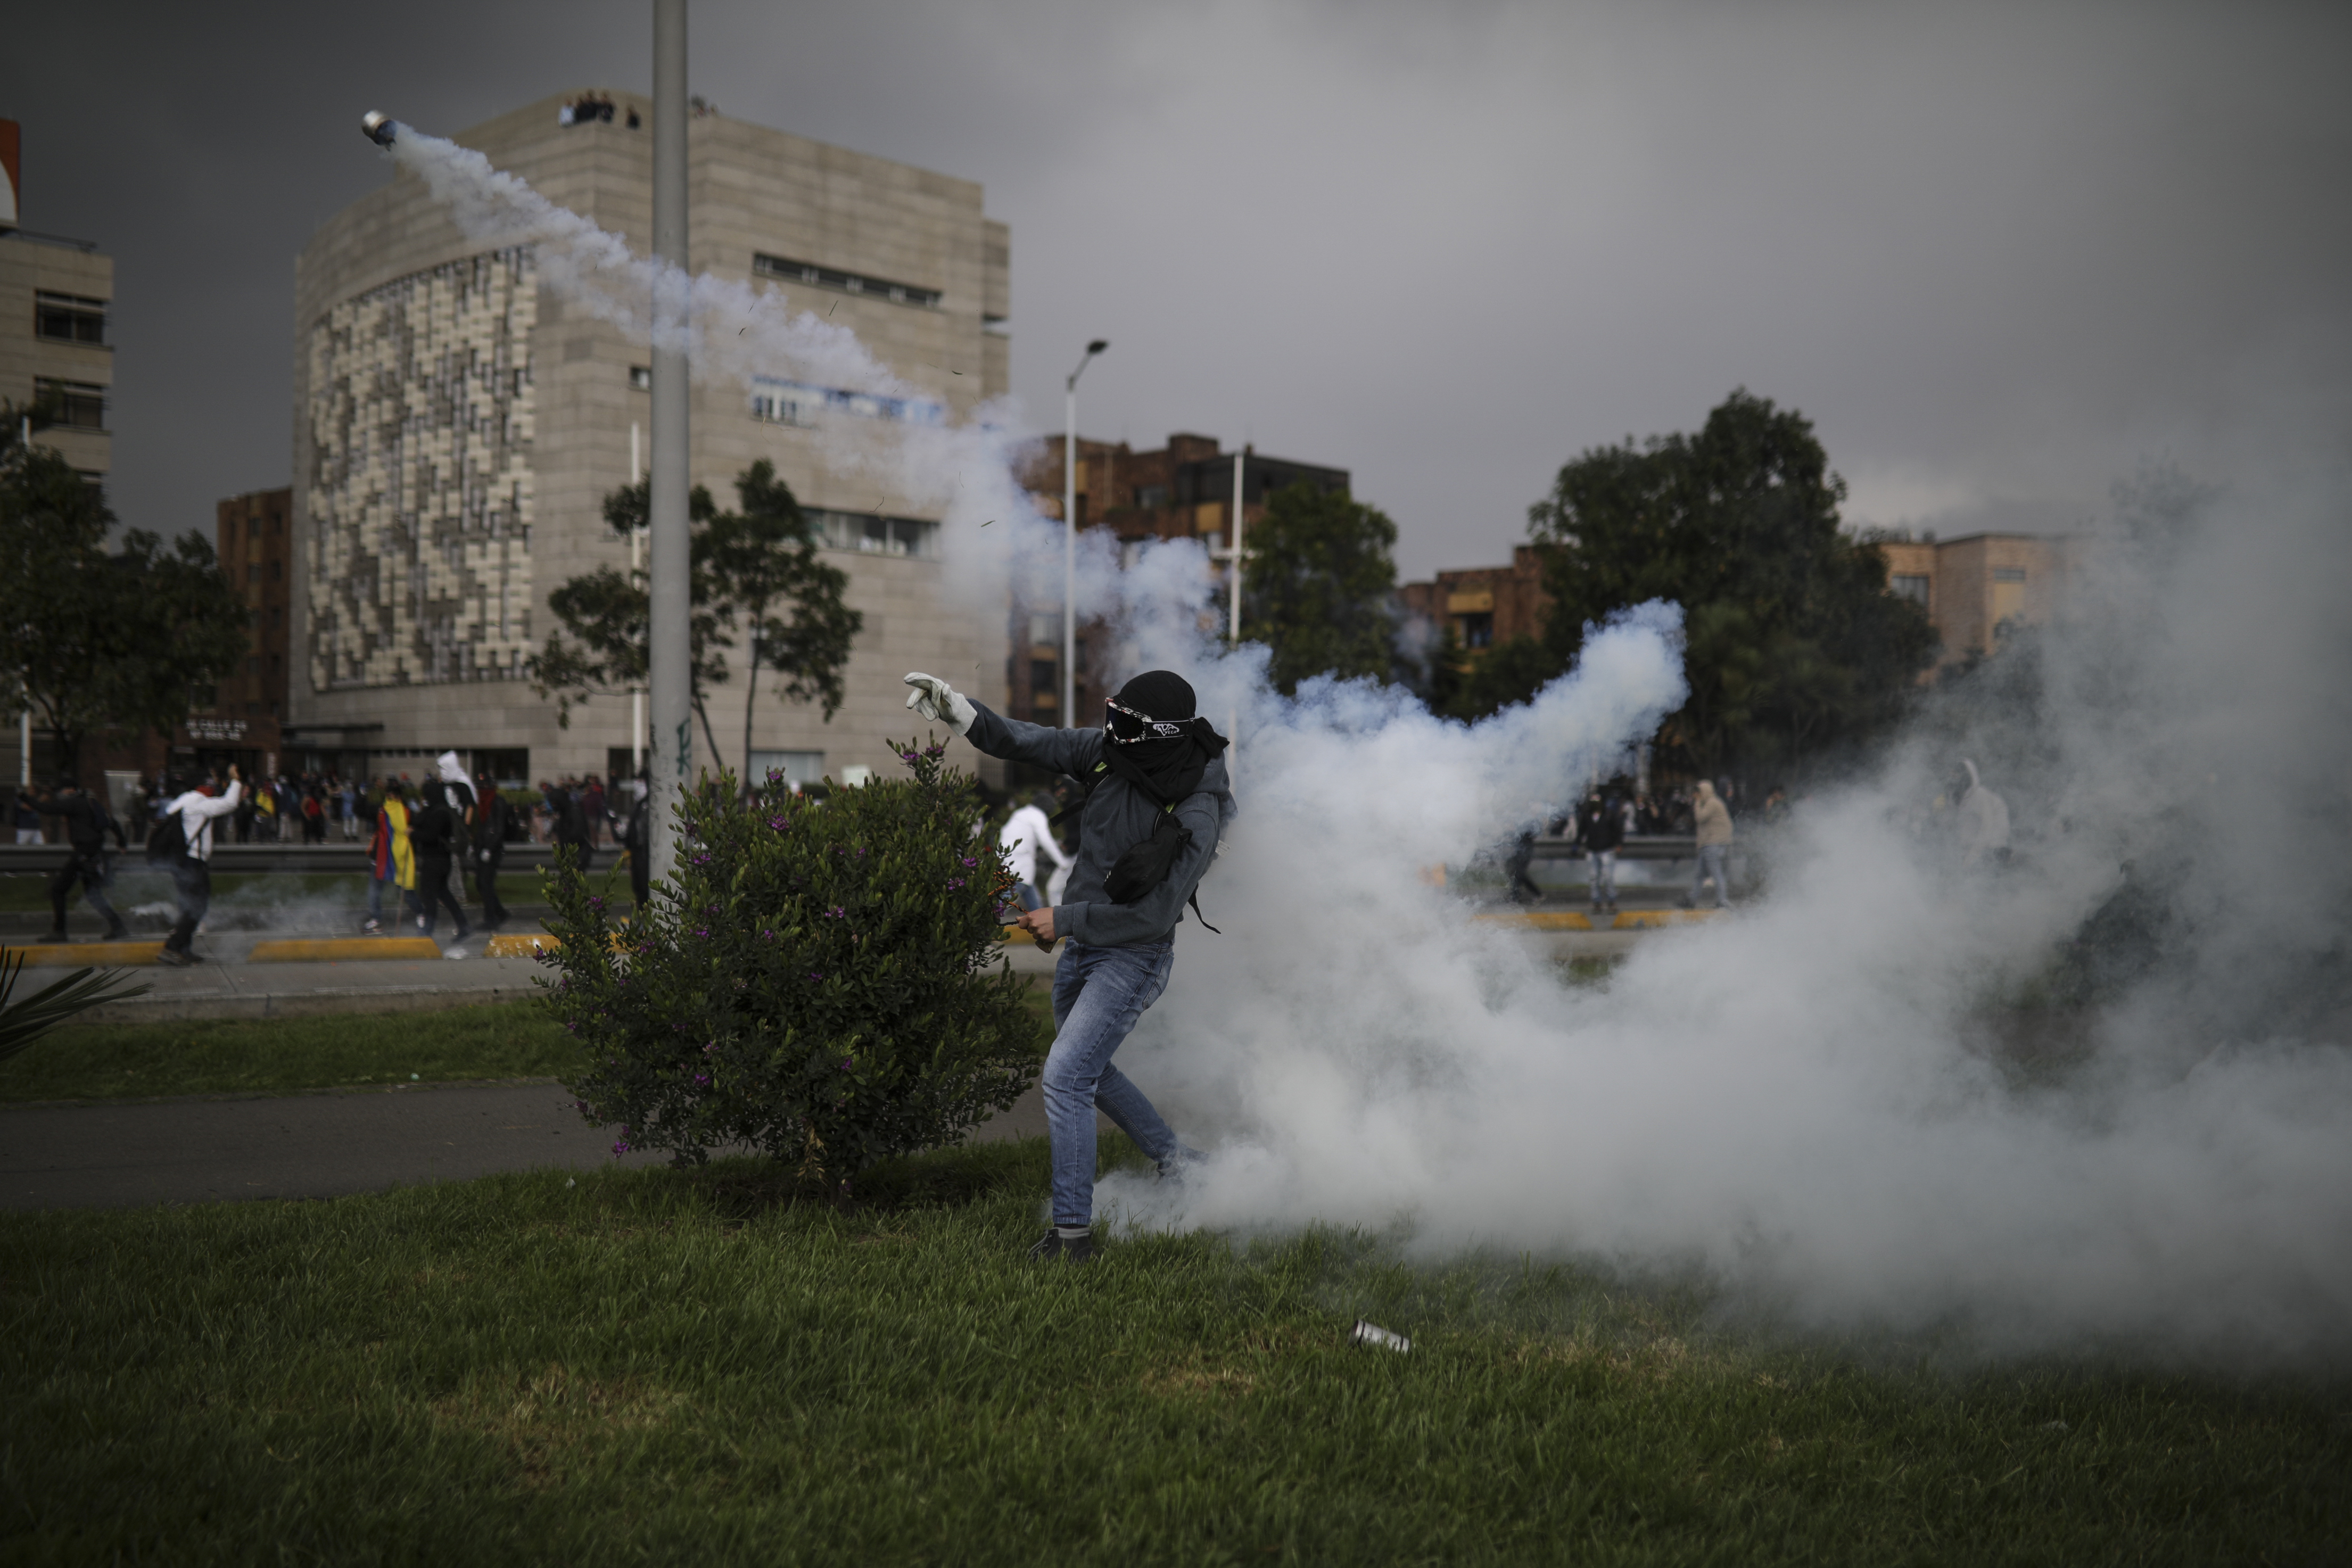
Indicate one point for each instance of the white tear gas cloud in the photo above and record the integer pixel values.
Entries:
(2097, 1098)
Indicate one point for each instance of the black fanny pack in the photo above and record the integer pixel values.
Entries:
(1148, 862)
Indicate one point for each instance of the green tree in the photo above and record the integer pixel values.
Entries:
(1793, 643)
(1317, 587)
(765, 569)
(96, 642)
(758, 566)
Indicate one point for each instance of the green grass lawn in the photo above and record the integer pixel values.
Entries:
(656, 1367)
(288, 1056)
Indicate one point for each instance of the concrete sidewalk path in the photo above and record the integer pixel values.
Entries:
(317, 1145)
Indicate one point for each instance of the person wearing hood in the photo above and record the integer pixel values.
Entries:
(1711, 821)
(1601, 828)
(1156, 800)
(87, 822)
(1981, 819)
(192, 874)
(433, 835)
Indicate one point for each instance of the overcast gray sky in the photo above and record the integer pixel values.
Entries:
(2000, 253)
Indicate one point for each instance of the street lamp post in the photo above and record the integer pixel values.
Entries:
(1070, 533)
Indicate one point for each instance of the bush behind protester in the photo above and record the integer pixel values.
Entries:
(814, 981)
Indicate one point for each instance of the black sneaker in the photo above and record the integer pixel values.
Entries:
(174, 958)
(1052, 1248)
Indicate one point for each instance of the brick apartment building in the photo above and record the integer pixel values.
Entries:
(1973, 589)
(1183, 490)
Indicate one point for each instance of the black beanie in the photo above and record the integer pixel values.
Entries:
(1160, 694)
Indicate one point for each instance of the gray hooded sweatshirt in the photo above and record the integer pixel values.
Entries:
(1118, 817)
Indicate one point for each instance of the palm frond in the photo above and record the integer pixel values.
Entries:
(22, 1022)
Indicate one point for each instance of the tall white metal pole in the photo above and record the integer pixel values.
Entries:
(25, 720)
(1070, 549)
(1234, 724)
(636, 561)
(669, 649)
(1236, 583)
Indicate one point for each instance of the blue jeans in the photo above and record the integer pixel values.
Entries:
(1711, 859)
(1099, 994)
(192, 887)
(1602, 876)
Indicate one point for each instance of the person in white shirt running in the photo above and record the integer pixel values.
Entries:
(192, 873)
(1026, 832)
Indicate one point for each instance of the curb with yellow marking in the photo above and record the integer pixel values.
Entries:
(524, 944)
(1541, 919)
(1665, 917)
(336, 949)
(81, 954)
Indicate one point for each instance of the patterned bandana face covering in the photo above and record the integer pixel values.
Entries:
(1127, 726)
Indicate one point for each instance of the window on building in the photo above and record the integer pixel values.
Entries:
(68, 317)
(80, 404)
(1045, 675)
(1476, 630)
(1907, 585)
(641, 378)
(848, 283)
(1045, 631)
(2008, 596)
(876, 535)
(800, 768)
(1149, 496)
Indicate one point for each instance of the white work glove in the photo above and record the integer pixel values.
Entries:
(935, 699)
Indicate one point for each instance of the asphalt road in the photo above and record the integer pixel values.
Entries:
(313, 1145)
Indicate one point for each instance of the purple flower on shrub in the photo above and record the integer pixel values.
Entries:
(969, 861)
(955, 881)
(815, 975)
(846, 1062)
(597, 904)
(702, 931)
(702, 1080)
(907, 756)
(836, 913)
(779, 823)
(620, 1147)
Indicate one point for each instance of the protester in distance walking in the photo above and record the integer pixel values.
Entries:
(191, 815)
(391, 861)
(1024, 834)
(1711, 822)
(638, 839)
(86, 823)
(571, 828)
(1600, 829)
(1156, 801)
(493, 817)
(433, 834)
(1980, 829)
(1523, 888)
(27, 813)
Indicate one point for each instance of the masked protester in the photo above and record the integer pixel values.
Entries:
(1156, 800)
(87, 822)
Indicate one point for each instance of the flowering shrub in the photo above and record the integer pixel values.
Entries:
(821, 981)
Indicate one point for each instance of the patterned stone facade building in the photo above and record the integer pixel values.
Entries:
(456, 430)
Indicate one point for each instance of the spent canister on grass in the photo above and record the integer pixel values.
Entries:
(1365, 1333)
